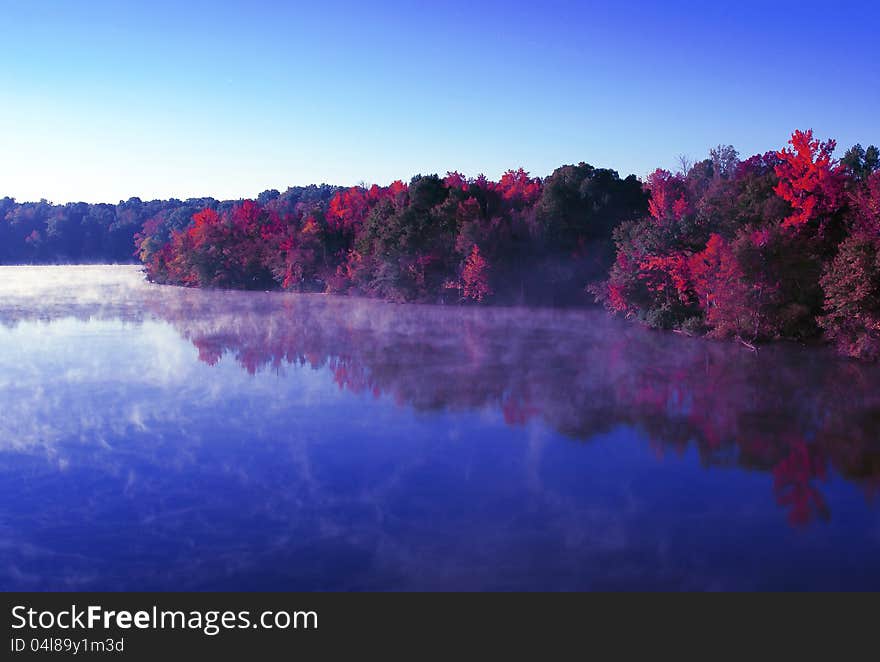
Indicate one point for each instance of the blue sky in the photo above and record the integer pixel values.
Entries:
(106, 100)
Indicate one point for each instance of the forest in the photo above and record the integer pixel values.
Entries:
(780, 245)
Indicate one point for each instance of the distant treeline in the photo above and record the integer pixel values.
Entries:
(78, 232)
(780, 245)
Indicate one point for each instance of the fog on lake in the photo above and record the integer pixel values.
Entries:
(160, 438)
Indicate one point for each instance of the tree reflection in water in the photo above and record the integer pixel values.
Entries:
(123, 466)
(162, 438)
(791, 411)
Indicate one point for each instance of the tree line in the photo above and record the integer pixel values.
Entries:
(781, 245)
(520, 239)
(784, 244)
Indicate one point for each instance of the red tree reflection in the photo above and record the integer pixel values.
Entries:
(796, 414)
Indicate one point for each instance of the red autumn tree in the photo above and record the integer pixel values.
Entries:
(348, 209)
(667, 275)
(708, 272)
(518, 189)
(347, 272)
(475, 276)
(809, 180)
(224, 250)
(733, 305)
(455, 179)
(668, 195)
(296, 259)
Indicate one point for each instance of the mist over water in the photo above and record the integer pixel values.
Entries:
(163, 438)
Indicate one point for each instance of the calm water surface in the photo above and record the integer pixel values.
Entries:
(161, 438)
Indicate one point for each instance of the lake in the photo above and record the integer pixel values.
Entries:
(159, 438)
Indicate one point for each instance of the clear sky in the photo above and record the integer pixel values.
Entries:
(102, 101)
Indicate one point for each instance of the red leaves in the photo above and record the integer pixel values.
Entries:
(808, 179)
(475, 276)
(222, 249)
(346, 272)
(709, 271)
(516, 187)
(740, 251)
(202, 222)
(617, 298)
(728, 302)
(680, 207)
(733, 248)
(455, 179)
(668, 200)
(247, 215)
(348, 209)
(667, 274)
(393, 190)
